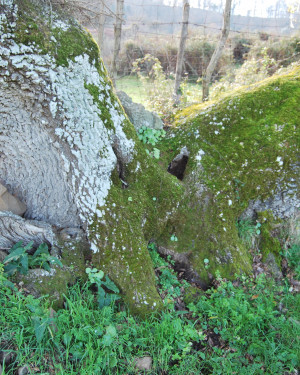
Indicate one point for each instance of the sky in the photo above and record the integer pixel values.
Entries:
(257, 8)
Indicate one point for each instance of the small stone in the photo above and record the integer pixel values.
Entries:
(6, 357)
(9, 202)
(24, 370)
(137, 113)
(143, 363)
(272, 267)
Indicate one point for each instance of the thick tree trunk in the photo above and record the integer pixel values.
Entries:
(117, 44)
(183, 37)
(218, 51)
(69, 153)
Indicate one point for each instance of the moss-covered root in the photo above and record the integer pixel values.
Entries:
(244, 147)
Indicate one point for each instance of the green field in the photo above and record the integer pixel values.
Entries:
(138, 92)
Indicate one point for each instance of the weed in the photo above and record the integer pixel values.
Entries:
(19, 261)
(174, 238)
(248, 231)
(293, 257)
(104, 298)
(206, 263)
(246, 327)
(151, 137)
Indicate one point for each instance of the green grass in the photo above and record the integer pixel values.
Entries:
(249, 327)
(138, 92)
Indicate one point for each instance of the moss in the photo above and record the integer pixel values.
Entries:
(101, 98)
(250, 142)
(73, 257)
(36, 27)
(191, 294)
(40, 283)
(268, 242)
(131, 218)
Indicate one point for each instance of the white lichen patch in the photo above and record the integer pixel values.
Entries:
(279, 161)
(199, 156)
(57, 129)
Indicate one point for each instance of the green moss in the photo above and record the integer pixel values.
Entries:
(36, 27)
(192, 294)
(101, 103)
(268, 242)
(73, 257)
(131, 217)
(55, 286)
(251, 143)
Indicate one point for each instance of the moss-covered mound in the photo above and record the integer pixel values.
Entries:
(243, 148)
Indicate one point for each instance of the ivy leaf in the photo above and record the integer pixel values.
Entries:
(42, 249)
(39, 327)
(110, 285)
(14, 255)
(108, 338)
(24, 263)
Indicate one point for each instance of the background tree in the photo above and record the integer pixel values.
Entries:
(117, 42)
(218, 51)
(180, 55)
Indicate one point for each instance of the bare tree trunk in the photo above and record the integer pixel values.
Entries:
(183, 37)
(218, 51)
(100, 36)
(117, 44)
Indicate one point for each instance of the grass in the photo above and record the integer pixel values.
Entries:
(250, 326)
(138, 92)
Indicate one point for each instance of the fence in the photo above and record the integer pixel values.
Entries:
(153, 27)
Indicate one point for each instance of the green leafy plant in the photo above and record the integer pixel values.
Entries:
(248, 231)
(42, 322)
(173, 238)
(19, 261)
(293, 257)
(206, 263)
(169, 285)
(151, 137)
(253, 70)
(42, 259)
(104, 298)
(160, 92)
(246, 327)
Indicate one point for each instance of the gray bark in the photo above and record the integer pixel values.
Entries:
(218, 51)
(13, 229)
(117, 43)
(183, 37)
(56, 153)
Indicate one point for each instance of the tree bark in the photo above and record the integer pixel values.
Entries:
(183, 37)
(218, 51)
(117, 43)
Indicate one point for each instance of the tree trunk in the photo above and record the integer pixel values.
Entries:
(100, 36)
(117, 44)
(183, 37)
(218, 51)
